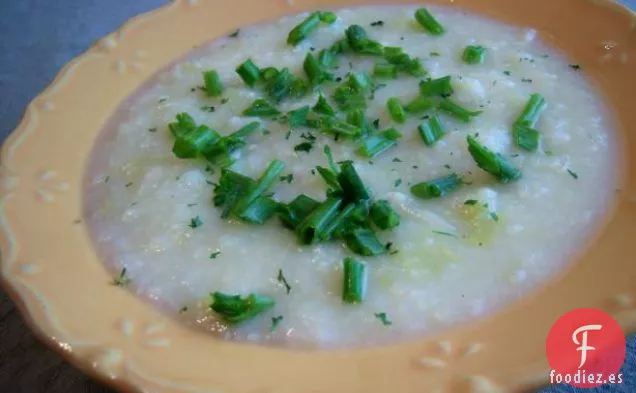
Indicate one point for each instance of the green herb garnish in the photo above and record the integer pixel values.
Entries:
(436, 188)
(363, 241)
(437, 87)
(396, 110)
(306, 27)
(383, 318)
(235, 33)
(215, 254)
(323, 107)
(377, 144)
(249, 72)
(383, 215)
(428, 22)
(359, 41)
(431, 130)
(195, 222)
(573, 174)
(281, 279)
(275, 322)
(385, 70)
(235, 309)
(355, 281)
(474, 54)
(419, 105)
(491, 162)
(123, 279)
(261, 108)
(458, 112)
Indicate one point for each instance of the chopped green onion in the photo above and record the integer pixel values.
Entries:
(384, 70)
(353, 188)
(360, 42)
(261, 210)
(360, 81)
(431, 130)
(332, 163)
(268, 73)
(212, 83)
(323, 107)
(328, 17)
(403, 62)
(533, 109)
(335, 126)
(279, 87)
(437, 87)
(357, 118)
(355, 281)
(261, 108)
(311, 228)
(314, 71)
(525, 137)
(330, 177)
(491, 162)
(474, 54)
(396, 110)
(298, 117)
(428, 22)
(457, 111)
(299, 88)
(349, 97)
(249, 72)
(267, 179)
(231, 187)
(436, 188)
(338, 222)
(236, 309)
(383, 215)
(195, 142)
(363, 241)
(377, 144)
(304, 29)
(297, 210)
(327, 57)
(195, 222)
(185, 123)
(419, 105)
(246, 130)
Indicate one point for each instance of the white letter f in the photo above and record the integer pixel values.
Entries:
(584, 347)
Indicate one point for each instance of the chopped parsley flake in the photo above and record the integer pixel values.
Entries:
(208, 109)
(575, 67)
(471, 202)
(224, 100)
(287, 178)
(153, 129)
(162, 100)
(183, 309)
(526, 80)
(304, 146)
(507, 73)
(494, 216)
(235, 33)
(377, 23)
(383, 318)
(574, 175)
(122, 280)
(266, 132)
(215, 254)
(275, 322)
(281, 279)
(445, 234)
(434, 54)
(397, 183)
(195, 222)
(128, 184)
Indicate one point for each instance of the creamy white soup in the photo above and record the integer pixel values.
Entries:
(433, 233)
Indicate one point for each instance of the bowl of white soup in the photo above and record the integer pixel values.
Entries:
(327, 196)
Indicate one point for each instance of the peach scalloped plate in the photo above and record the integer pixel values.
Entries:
(52, 271)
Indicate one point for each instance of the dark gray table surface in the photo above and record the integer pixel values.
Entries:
(37, 37)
